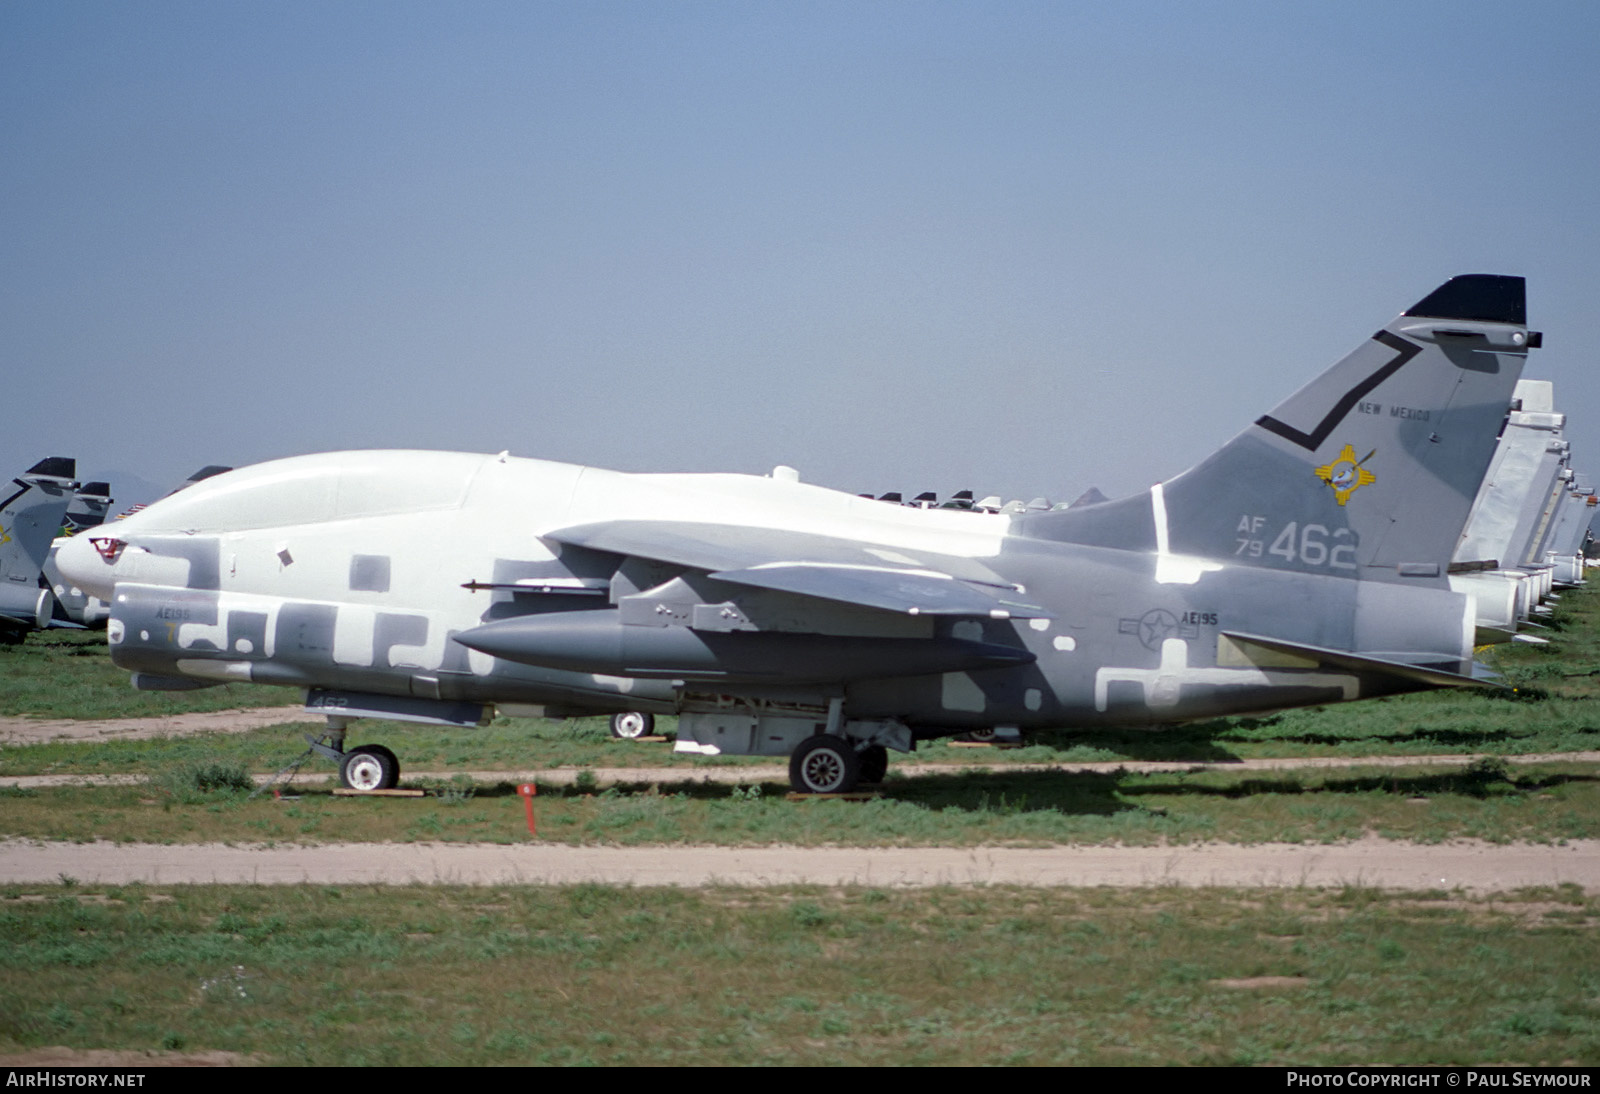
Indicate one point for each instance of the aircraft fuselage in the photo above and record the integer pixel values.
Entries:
(357, 571)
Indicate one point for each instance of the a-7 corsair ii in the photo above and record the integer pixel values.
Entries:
(1304, 562)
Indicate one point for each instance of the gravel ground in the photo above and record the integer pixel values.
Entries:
(1471, 866)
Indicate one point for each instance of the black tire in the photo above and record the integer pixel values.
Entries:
(874, 764)
(369, 767)
(632, 725)
(394, 760)
(983, 736)
(824, 765)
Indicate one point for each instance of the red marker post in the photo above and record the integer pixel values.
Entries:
(528, 790)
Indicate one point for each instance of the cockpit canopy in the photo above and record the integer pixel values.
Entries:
(315, 489)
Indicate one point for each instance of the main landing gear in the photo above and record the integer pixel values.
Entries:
(365, 767)
(847, 753)
(826, 764)
(829, 753)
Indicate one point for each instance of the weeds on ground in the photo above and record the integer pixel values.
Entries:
(1492, 800)
(204, 781)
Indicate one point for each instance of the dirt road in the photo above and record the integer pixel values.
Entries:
(1467, 865)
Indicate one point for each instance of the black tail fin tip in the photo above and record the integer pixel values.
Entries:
(58, 467)
(1484, 298)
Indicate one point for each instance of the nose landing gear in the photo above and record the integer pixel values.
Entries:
(369, 767)
(365, 767)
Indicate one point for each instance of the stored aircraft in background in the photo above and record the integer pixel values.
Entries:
(1305, 562)
(72, 606)
(31, 513)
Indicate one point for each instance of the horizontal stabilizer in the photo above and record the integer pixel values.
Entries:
(1366, 664)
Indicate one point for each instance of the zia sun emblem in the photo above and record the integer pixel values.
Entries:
(1346, 475)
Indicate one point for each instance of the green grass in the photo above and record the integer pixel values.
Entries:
(69, 674)
(1494, 801)
(413, 976)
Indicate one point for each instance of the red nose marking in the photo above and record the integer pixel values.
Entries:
(110, 549)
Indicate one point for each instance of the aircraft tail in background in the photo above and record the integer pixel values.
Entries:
(31, 512)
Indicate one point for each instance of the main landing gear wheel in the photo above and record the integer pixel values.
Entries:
(874, 763)
(369, 767)
(824, 765)
(632, 725)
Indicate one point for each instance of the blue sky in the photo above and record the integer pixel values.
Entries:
(1019, 248)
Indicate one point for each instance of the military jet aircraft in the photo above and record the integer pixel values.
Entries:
(30, 517)
(1305, 562)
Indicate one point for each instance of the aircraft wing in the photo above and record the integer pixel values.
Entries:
(915, 582)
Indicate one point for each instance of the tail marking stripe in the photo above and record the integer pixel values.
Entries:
(1404, 351)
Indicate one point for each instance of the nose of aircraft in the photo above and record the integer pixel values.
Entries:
(84, 563)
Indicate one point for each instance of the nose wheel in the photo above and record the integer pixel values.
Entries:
(369, 767)
(365, 767)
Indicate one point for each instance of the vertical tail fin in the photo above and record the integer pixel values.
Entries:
(30, 516)
(89, 507)
(1369, 471)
